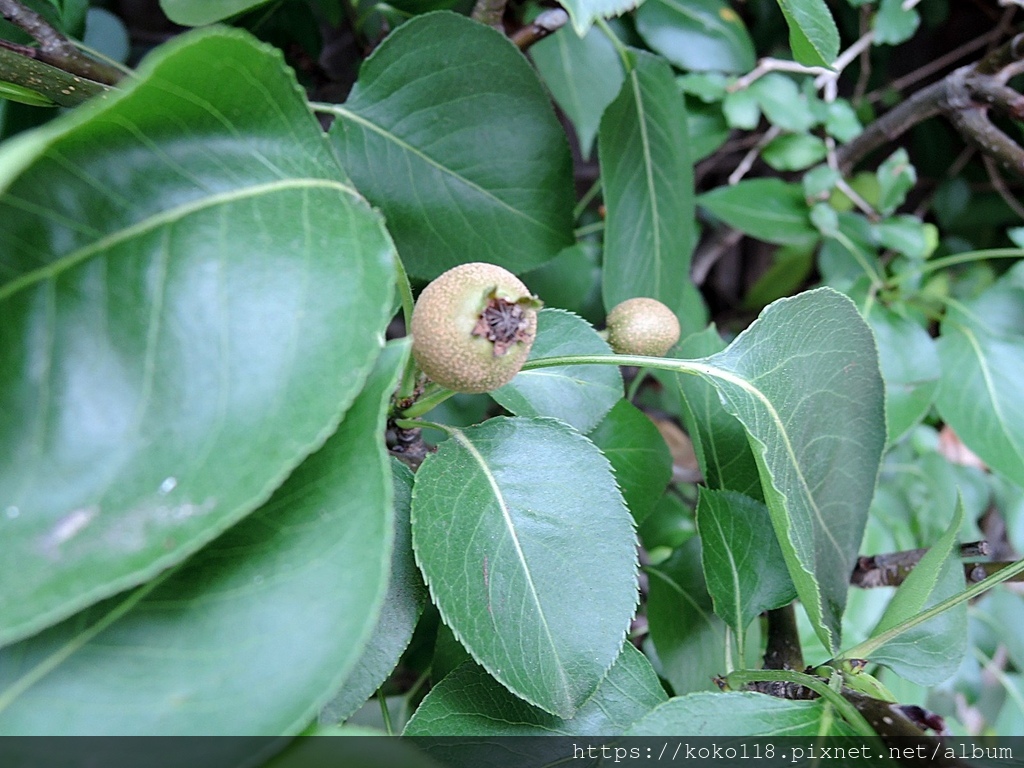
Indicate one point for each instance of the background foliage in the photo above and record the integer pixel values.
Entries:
(204, 279)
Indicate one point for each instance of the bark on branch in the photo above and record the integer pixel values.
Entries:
(54, 48)
(964, 97)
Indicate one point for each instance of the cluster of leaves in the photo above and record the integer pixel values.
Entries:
(203, 530)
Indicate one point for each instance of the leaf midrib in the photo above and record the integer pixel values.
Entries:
(460, 436)
(162, 218)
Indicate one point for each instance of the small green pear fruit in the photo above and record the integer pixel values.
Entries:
(642, 327)
(473, 326)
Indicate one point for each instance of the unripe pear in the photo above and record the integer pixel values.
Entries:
(642, 327)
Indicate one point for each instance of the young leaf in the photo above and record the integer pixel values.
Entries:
(813, 36)
(648, 188)
(697, 35)
(743, 564)
(508, 519)
(930, 652)
(402, 607)
(178, 337)
(804, 381)
(270, 617)
(469, 702)
(982, 354)
(579, 395)
(583, 74)
(638, 455)
(450, 133)
(768, 209)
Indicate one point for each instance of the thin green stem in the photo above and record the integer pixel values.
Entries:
(869, 646)
(634, 385)
(960, 258)
(588, 229)
(627, 61)
(417, 424)
(385, 714)
(640, 361)
(842, 706)
(430, 400)
(587, 198)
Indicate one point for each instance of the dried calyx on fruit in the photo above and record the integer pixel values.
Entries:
(473, 327)
(642, 327)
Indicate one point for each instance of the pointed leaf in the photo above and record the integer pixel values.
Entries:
(449, 132)
(579, 395)
(982, 354)
(402, 607)
(469, 702)
(933, 651)
(768, 209)
(182, 323)
(804, 380)
(813, 36)
(743, 564)
(250, 636)
(505, 527)
(584, 75)
(648, 188)
(638, 454)
(697, 35)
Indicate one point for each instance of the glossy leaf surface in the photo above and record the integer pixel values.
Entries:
(249, 637)
(182, 324)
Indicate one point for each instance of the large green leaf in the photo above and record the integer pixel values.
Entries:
(982, 354)
(579, 395)
(648, 188)
(743, 564)
(402, 607)
(930, 652)
(768, 209)
(584, 75)
(469, 702)
(739, 714)
(638, 454)
(195, 13)
(688, 636)
(813, 36)
(804, 380)
(509, 518)
(697, 35)
(249, 637)
(183, 324)
(449, 132)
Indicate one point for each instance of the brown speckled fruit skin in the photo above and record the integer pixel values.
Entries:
(443, 320)
(642, 327)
